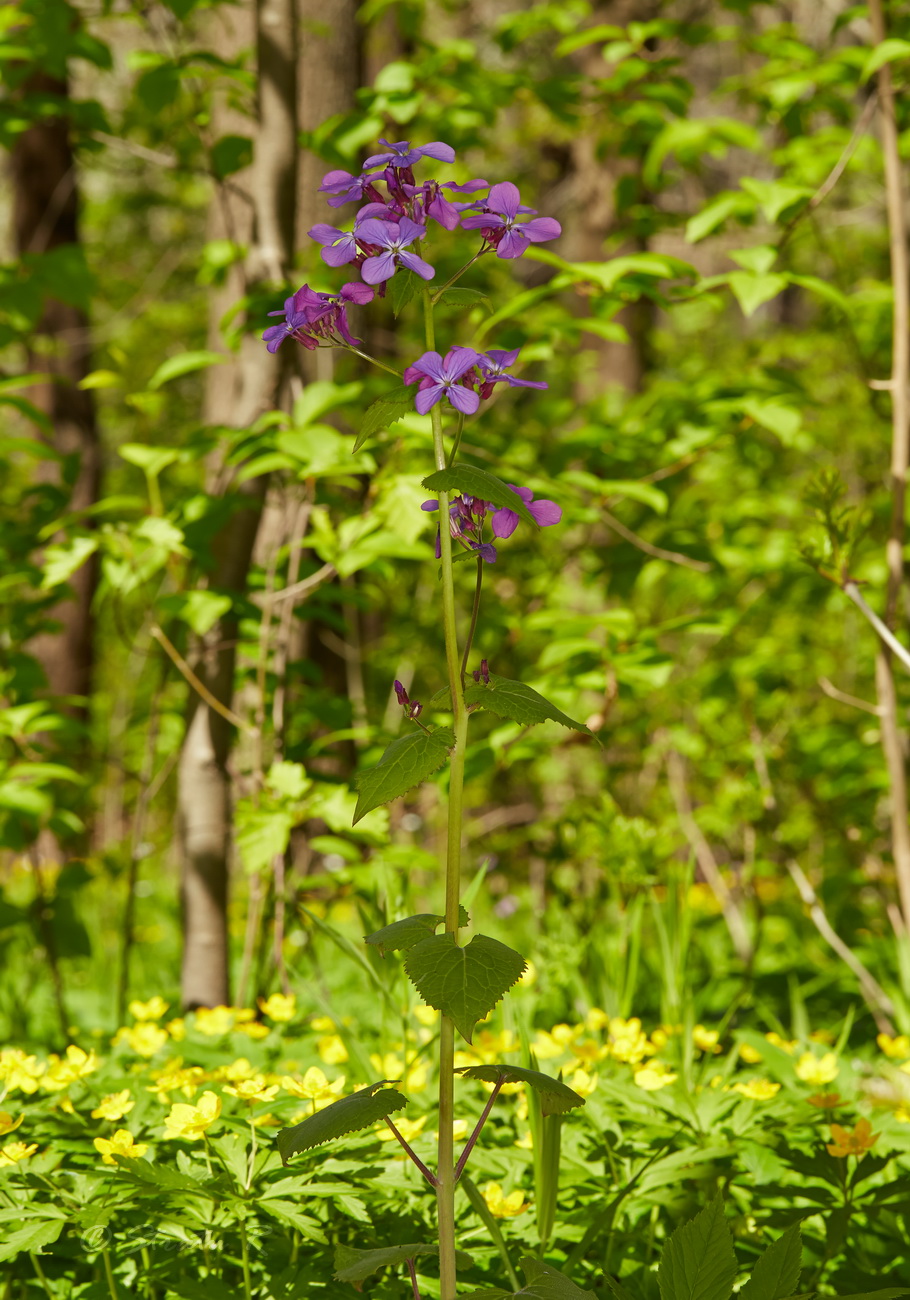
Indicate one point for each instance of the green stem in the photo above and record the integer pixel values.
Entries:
(147, 1265)
(245, 1256)
(252, 1160)
(41, 1275)
(456, 443)
(474, 613)
(381, 364)
(109, 1273)
(434, 298)
(445, 1191)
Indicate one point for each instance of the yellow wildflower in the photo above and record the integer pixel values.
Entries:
(589, 1051)
(489, 1046)
(855, 1142)
(114, 1106)
(214, 1022)
(254, 1029)
(121, 1144)
(16, 1151)
(145, 1038)
(757, 1089)
(8, 1124)
(175, 1077)
(314, 1086)
(627, 1042)
(459, 1130)
(654, 1076)
(20, 1072)
(897, 1049)
(583, 1083)
(323, 1025)
(750, 1055)
(503, 1207)
(825, 1100)
(817, 1071)
(775, 1040)
(426, 1016)
(822, 1036)
(154, 1009)
(253, 1090)
(526, 1141)
(331, 1050)
(280, 1007)
(596, 1020)
(546, 1047)
(68, 1069)
(177, 1029)
(706, 1040)
(191, 1122)
(901, 1114)
(408, 1128)
(238, 1069)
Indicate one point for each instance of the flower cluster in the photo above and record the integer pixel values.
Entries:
(467, 518)
(312, 318)
(463, 377)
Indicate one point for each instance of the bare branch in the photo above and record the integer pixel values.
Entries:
(675, 557)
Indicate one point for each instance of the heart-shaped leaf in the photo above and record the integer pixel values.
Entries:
(519, 703)
(408, 760)
(463, 983)
(404, 934)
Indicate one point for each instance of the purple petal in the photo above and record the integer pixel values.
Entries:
(410, 230)
(372, 231)
(436, 149)
(417, 264)
(325, 234)
(458, 360)
(522, 383)
(340, 254)
(502, 360)
(504, 198)
(485, 220)
(504, 522)
(357, 293)
(485, 550)
(545, 512)
(377, 269)
(463, 399)
(428, 397)
(341, 323)
(430, 505)
(469, 187)
(429, 364)
(541, 229)
(512, 244)
(441, 210)
(274, 336)
(524, 492)
(374, 212)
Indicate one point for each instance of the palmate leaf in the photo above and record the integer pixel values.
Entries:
(698, 1262)
(401, 935)
(385, 411)
(519, 703)
(556, 1097)
(777, 1270)
(408, 760)
(347, 1115)
(352, 1265)
(474, 482)
(463, 983)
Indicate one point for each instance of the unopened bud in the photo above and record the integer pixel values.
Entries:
(401, 693)
(416, 709)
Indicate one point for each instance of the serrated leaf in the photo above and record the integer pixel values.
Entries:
(474, 482)
(401, 935)
(777, 1270)
(352, 1265)
(547, 1283)
(408, 760)
(617, 1288)
(385, 411)
(33, 1237)
(404, 289)
(556, 1097)
(463, 983)
(457, 297)
(347, 1115)
(518, 703)
(698, 1262)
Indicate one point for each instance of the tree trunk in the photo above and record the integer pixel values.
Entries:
(204, 799)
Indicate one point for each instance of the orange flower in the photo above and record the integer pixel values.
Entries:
(852, 1143)
(825, 1100)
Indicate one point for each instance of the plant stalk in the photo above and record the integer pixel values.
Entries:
(474, 614)
(485, 1114)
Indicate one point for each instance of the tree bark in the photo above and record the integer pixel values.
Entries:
(204, 799)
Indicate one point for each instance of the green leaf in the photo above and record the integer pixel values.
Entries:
(556, 1096)
(617, 1288)
(777, 1270)
(547, 1283)
(475, 482)
(353, 1265)
(752, 291)
(774, 197)
(348, 1115)
(199, 609)
(889, 1293)
(457, 297)
(385, 411)
(408, 760)
(715, 213)
(887, 52)
(518, 703)
(404, 289)
(61, 562)
(231, 154)
(463, 983)
(33, 1237)
(184, 364)
(401, 935)
(151, 460)
(698, 1262)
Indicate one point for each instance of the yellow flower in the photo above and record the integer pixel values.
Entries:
(589, 1051)
(825, 1100)
(314, 1087)
(529, 977)
(902, 1114)
(114, 1106)
(503, 1207)
(154, 1009)
(749, 1054)
(583, 1083)
(822, 1036)
(8, 1124)
(526, 1142)
(255, 1089)
(459, 1130)
(331, 1050)
(489, 1046)
(627, 1042)
(20, 1072)
(191, 1122)
(145, 1038)
(776, 1041)
(706, 1040)
(214, 1022)
(758, 1089)
(16, 1151)
(545, 1046)
(175, 1077)
(279, 1007)
(62, 1071)
(238, 1069)
(177, 1029)
(654, 1076)
(596, 1020)
(898, 1049)
(408, 1128)
(426, 1016)
(254, 1029)
(323, 1025)
(855, 1142)
(391, 1067)
(817, 1072)
(121, 1144)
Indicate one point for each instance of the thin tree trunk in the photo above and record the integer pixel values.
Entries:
(204, 799)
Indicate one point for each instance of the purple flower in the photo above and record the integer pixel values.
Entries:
(486, 551)
(343, 246)
(394, 237)
(440, 378)
(440, 207)
(466, 516)
(402, 155)
(497, 222)
(311, 317)
(505, 521)
(343, 188)
(493, 366)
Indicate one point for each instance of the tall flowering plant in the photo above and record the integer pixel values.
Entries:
(386, 243)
